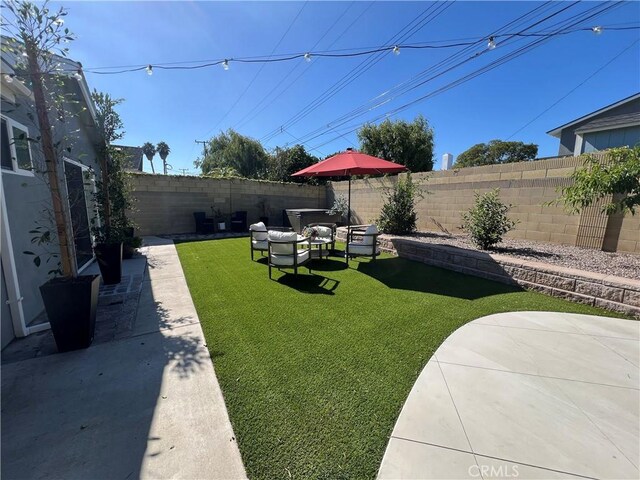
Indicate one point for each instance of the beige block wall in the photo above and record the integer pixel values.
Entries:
(165, 204)
(527, 186)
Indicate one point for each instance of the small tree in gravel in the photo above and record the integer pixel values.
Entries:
(487, 221)
(398, 215)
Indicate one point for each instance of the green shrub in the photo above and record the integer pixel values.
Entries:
(487, 221)
(398, 215)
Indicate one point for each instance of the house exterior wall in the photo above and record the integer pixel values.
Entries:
(164, 204)
(528, 186)
(568, 137)
(6, 324)
(28, 199)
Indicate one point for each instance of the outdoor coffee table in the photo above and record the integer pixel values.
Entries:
(319, 252)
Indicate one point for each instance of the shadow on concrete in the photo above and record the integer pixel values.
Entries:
(90, 413)
(312, 283)
(403, 274)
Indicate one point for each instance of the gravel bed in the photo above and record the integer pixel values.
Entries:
(619, 264)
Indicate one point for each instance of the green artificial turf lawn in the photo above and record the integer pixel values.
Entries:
(315, 368)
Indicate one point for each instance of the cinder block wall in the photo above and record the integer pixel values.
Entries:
(164, 204)
(528, 186)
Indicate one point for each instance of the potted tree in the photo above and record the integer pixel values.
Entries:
(219, 219)
(70, 299)
(112, 194)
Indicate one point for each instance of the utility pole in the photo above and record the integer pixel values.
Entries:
(204, 147)
(184, 170)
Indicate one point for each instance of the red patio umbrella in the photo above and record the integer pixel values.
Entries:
(348, 163)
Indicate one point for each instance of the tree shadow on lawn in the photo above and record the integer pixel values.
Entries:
(402, 274)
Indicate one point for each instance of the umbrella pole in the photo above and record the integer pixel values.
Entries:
(348, 221)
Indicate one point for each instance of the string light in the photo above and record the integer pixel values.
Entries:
(307, 57)
(597, 30)
(396, 50)
(225, 64)
(8, 78)
(492, 43)
(149, 70)
(78, 75)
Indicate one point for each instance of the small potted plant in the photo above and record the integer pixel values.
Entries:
(219, 219)
(263, 210)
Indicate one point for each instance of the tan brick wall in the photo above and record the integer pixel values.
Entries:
(528, 186)
(165, 204)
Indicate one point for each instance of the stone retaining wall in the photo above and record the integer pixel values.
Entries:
(605, 291)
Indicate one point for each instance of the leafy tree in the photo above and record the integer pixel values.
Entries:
(620, 178)
(286, 161)
(410, 144)
(487, 221)
(398, 215)
(497, 151)
(149, 151)
(39, 36)
(163, 150)
(112, 197)
(231, 150)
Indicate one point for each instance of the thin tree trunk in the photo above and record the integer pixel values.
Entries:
(152, 169)
(51, 163)
(106, 201)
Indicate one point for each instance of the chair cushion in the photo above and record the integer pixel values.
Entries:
(287, 260)
(261, 230)
(283, 248)
(260, 244)
(323, 232)
(360, 248)
(368, 239)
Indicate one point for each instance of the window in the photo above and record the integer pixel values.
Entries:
(16, 151)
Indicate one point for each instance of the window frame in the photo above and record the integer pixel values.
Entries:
(16, 170)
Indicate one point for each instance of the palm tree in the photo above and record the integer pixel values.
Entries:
(163, 150)
(149, 151)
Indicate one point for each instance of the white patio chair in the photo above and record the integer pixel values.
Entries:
(259, 237)
(367, 245)
(285, 250)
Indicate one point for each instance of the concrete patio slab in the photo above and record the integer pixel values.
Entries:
(549, 393)
(147, 406)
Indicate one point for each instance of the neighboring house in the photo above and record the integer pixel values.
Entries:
(25, 197)
(615, 125)
(133, 160)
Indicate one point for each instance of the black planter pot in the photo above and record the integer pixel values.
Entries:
(109, 256)
(71, 305)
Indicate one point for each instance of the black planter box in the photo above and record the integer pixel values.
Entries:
(71, 305)
(109, 256)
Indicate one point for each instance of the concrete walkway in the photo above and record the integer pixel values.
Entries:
(146, 404)
(524, 395)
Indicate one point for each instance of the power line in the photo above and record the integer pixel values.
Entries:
(407, 31)
(593, 74)
(286, 87)
(484, 69)
(259, 70)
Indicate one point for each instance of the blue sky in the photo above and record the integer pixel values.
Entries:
(180, 106)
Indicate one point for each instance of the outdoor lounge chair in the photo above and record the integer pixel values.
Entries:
(259, 236)
(204, 225)
(288, 250)
(239, 221)
(326, 232)
(367, 245)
